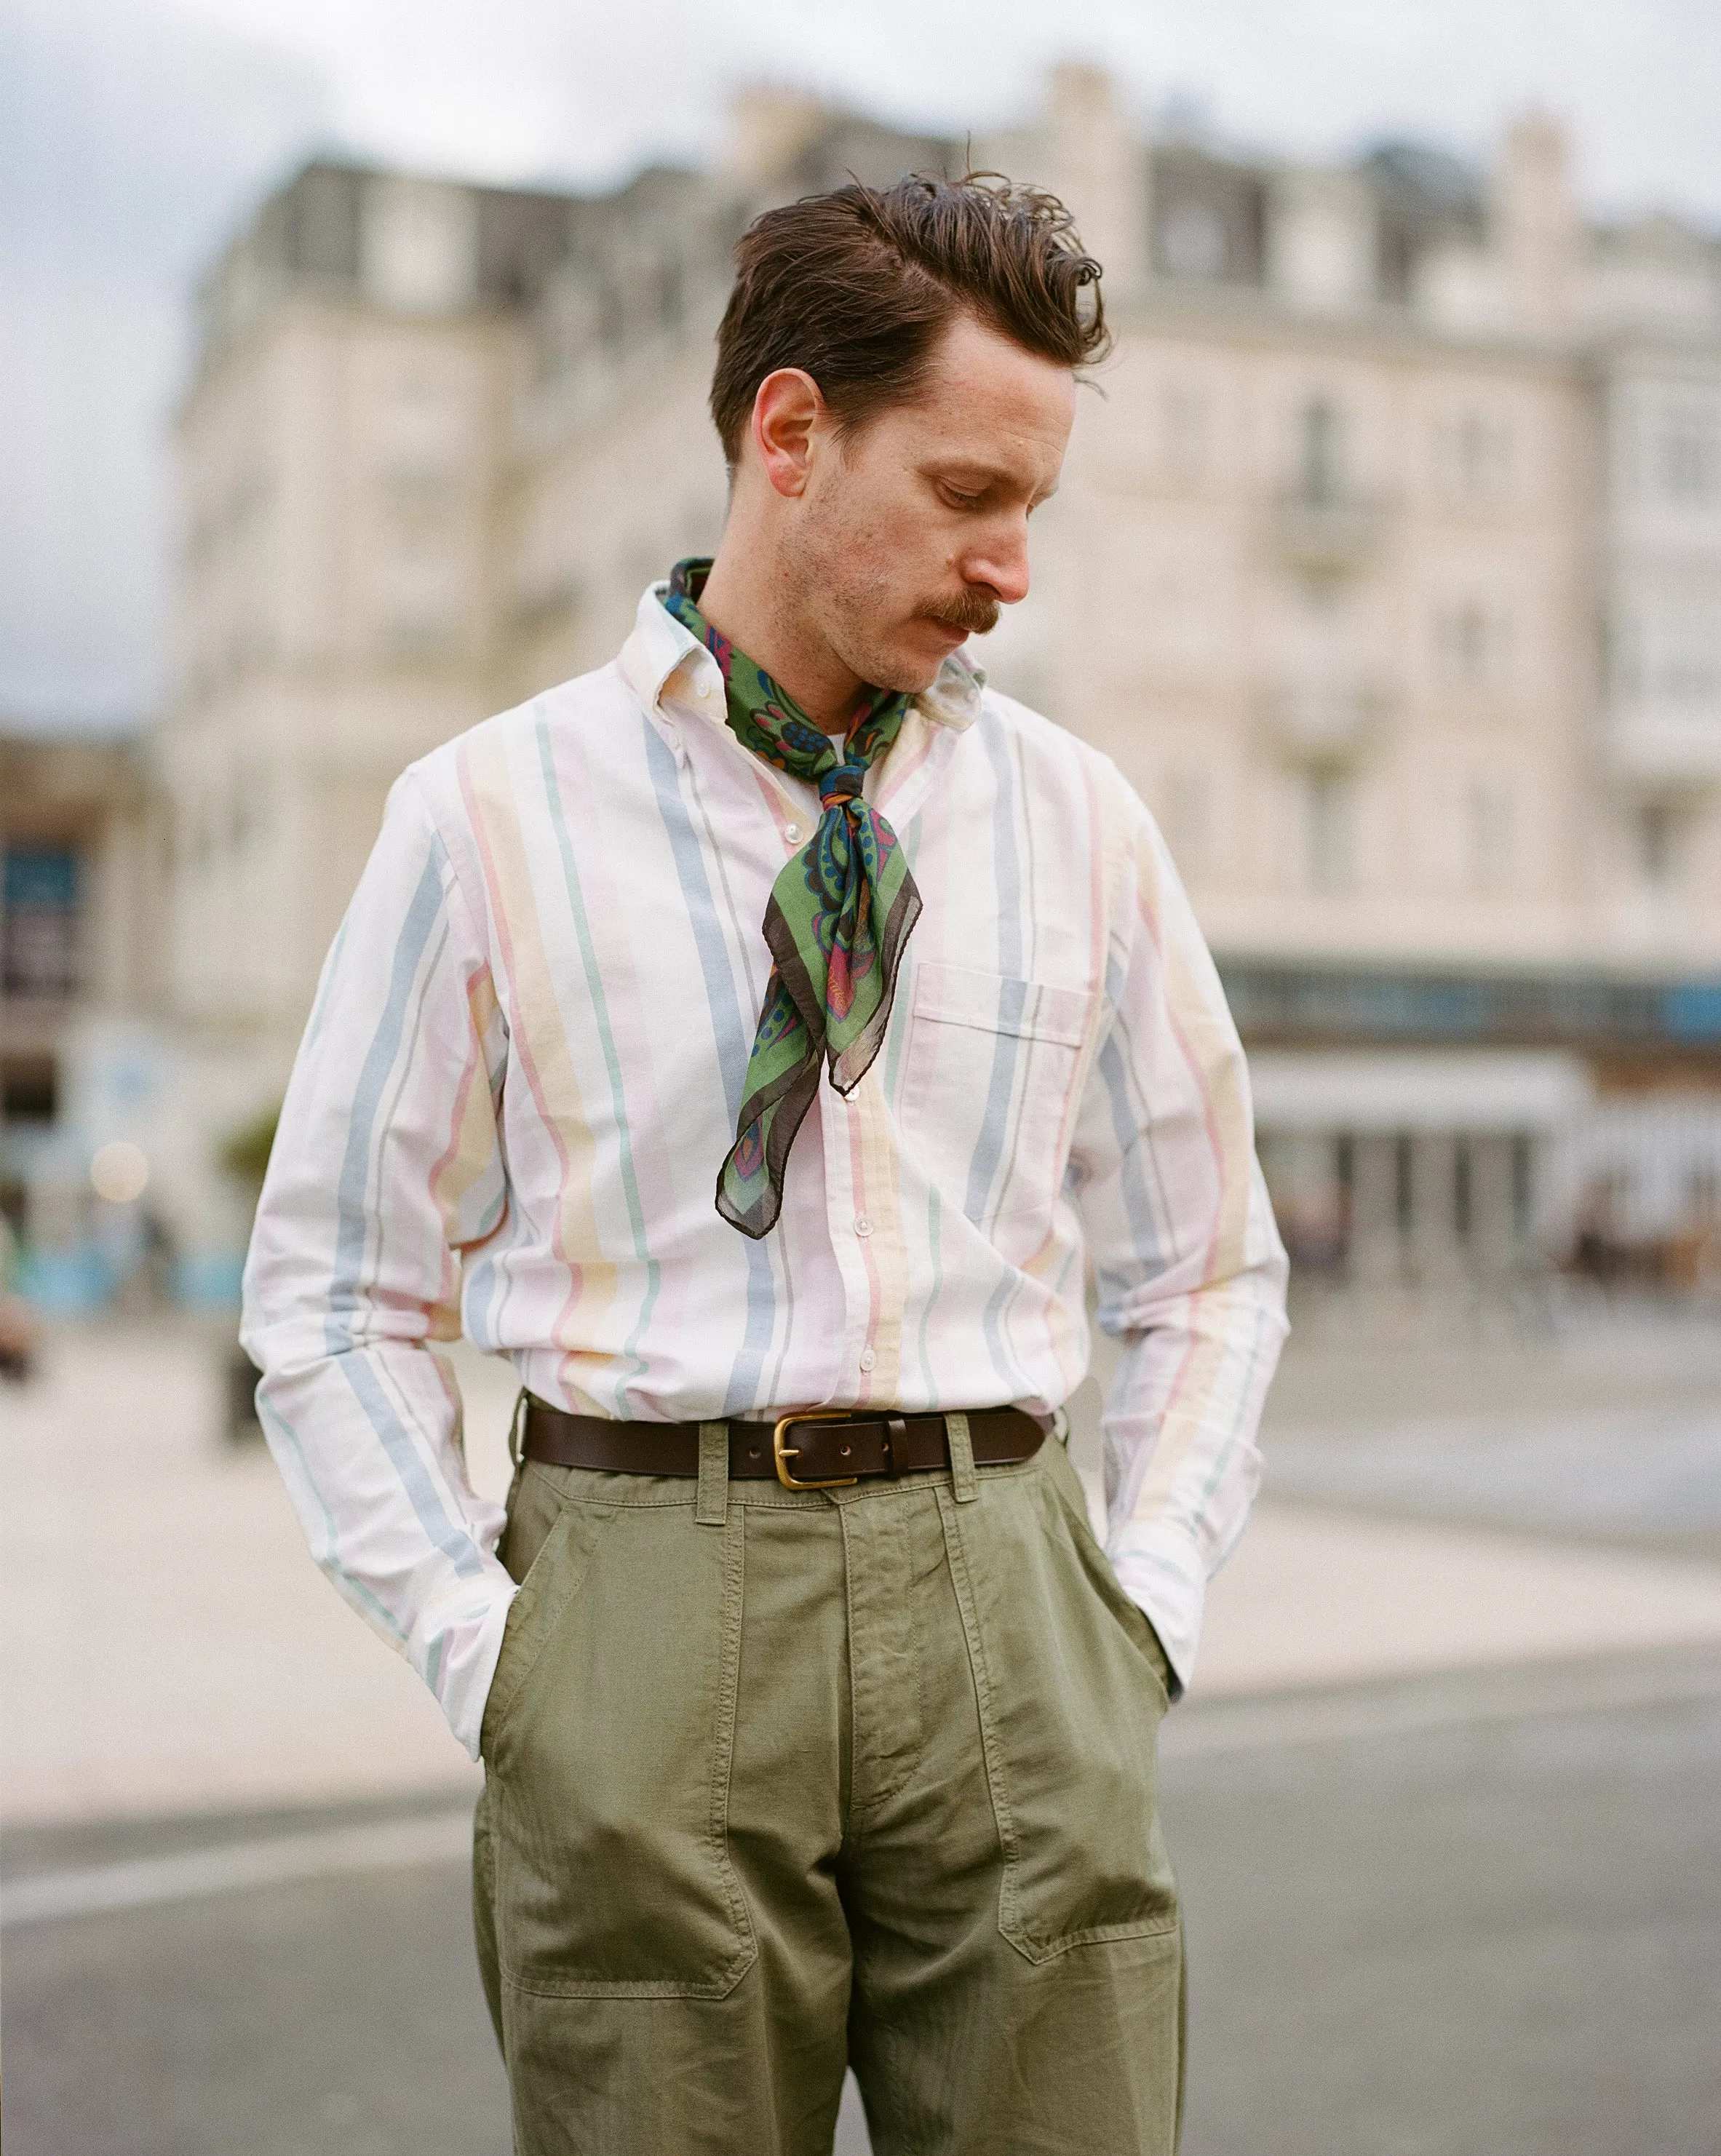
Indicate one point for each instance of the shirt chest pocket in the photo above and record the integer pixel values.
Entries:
(989, 1092)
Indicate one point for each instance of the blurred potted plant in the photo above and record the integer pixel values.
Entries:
(17, 1326)
(246, 1155)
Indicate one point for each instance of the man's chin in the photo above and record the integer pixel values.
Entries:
(911, 678)
(905, 673)
(935, 642)
(911, 659)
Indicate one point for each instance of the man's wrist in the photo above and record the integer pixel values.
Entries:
(1161, 1660)
(1159, 1568)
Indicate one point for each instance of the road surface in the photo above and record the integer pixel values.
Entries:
(1445, 1916)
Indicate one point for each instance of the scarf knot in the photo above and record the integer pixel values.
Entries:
(841, 785)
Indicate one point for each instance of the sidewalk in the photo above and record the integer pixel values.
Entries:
(169, 1646)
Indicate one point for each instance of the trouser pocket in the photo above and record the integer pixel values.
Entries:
(609, 1740)
(1070, 1704)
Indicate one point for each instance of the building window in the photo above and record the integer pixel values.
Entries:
(1209, 219)
(1691, 457)
(1189, 820)
(1329, 831)
(1689, 668)
(1488, 820)
(1463, 1191)
(1658, 848)
(1192, 240)
(423, 434)
(1624, 636)
(671, 290)
(418, 244)
(1668, 653)
(1185, 433)
(1522, 1184)
(1474, 453)
(1471, 642)
(1320, 452)
(40, 918)
(29, 1089)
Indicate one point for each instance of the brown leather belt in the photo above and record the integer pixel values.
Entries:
(818, 1448)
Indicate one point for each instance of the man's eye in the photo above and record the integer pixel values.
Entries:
(959, 500)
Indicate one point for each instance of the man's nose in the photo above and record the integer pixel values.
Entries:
(1001, 563)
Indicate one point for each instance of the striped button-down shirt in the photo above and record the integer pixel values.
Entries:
(522, 1074)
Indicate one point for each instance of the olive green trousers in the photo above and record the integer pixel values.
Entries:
(780, 1781)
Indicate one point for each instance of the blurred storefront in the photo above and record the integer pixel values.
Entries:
(108, 1183)
(1436, 1130)
(77, 888)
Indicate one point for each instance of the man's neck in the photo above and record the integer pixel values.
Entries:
(754, 613)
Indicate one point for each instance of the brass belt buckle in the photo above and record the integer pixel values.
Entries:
(784, 1453)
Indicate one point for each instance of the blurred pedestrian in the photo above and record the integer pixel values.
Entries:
(818, 1728)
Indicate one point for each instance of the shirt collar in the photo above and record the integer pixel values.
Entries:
(953, 700)
(659, 647)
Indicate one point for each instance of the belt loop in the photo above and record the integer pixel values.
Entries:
(963, 1481)
(710, 1507)
(517, 1424)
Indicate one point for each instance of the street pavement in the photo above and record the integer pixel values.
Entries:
(1447, 1917)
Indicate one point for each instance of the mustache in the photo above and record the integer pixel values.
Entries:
(972, 611)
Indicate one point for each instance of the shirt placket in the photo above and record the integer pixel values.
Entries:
(862, 1185)
(852, 1231)
(847, 1222)
(861, 1182)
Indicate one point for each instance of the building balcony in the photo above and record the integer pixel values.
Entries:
(1326, 723)
(1326, 535)
(1651, 743)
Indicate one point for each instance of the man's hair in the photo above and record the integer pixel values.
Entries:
(857, 287)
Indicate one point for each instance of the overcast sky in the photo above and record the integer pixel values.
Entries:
(136, 133)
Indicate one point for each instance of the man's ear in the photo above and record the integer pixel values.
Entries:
(786, 411)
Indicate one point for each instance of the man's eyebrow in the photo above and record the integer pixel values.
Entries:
(968, 467)
(972, 468)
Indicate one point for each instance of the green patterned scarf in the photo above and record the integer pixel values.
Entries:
(836, 921)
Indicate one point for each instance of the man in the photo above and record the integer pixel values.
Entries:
(755, 1040)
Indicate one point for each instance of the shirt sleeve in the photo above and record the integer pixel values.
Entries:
(1189, 1268)
(385, 1166)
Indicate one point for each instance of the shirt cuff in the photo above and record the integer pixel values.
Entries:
(465, 1648)
(1159, 1568)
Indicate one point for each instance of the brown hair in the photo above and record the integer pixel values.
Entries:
(855, 287)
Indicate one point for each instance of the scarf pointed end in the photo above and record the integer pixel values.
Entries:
(755, 1225)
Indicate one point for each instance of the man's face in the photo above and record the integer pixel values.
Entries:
(913, 531)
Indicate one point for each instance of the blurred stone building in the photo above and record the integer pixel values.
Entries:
(1387, 564)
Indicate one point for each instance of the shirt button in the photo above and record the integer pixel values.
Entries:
(791, 830)
(863, 1226)
(705, 690)
(867, 1358)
